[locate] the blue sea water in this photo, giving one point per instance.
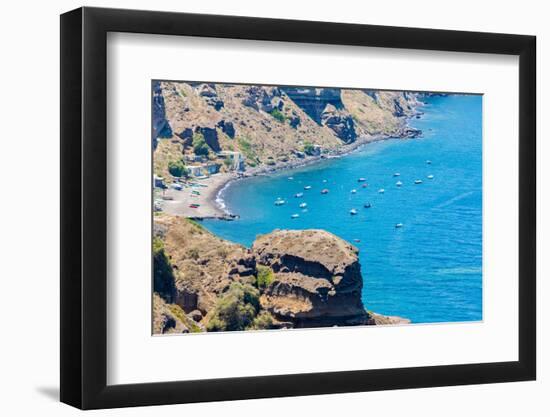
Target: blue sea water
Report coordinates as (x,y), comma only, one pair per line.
(429,270)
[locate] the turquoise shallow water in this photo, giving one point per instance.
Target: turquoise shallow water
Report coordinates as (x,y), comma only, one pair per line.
(430,270)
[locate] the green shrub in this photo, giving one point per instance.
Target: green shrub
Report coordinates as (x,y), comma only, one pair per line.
(200,147)
(163,275)
(262,321)
(276,113)
(247,150)
(309,148)
(177,311)
(264,277)
(177,168)
(236,309)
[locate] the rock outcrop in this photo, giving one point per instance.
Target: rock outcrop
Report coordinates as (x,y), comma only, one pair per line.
(210,96)
(317,278)
(314,100)
(305,278)
(340,122)
(161,126)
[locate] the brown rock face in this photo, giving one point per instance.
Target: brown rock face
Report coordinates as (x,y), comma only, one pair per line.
(317,278)
(340,122)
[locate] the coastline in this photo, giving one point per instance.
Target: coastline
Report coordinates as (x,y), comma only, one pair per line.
(217,201)
(211,202)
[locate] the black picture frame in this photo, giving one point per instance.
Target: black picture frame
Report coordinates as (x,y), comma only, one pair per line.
(84,207)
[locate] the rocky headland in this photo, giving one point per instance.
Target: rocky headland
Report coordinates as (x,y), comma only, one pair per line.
(287,279)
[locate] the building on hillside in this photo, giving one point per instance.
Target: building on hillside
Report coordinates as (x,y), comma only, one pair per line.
(236,160)
(195,170)
(212,168)
(158,182)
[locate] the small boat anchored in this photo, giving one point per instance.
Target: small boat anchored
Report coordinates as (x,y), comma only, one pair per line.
(367,205)
(429,162)
(298,195)
(396,174)
(381,191)
(399,225)
(430,177)
(353,191)
(307,187)
(353,212)
(294,216)
(418,181)
(303,205)
(324,191)
(361,179)
(399,183)
(279,202)
(364,185)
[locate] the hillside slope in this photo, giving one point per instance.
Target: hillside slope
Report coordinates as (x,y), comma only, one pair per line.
(268,125)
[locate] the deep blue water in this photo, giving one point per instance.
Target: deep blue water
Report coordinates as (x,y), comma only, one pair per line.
(430,270)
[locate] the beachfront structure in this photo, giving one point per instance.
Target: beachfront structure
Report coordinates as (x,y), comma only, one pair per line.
(159,182)
(195,158)
(212,168)
(236,158)
(195,170)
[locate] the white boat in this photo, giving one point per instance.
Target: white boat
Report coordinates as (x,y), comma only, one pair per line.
(291,178)
(418,181)
(324,191)
(307,187)
(279,202)
(396,174)
(381,191)
(353,191)
(399,225)
(367,205)
(430,177)
(353,212)
(303,205)
(324,180)
(361,179)
(429,162)
(399,183)
(298,195)
(294,216)
(177,186)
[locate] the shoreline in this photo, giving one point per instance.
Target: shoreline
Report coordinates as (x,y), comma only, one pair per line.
(211,202)
(342,151)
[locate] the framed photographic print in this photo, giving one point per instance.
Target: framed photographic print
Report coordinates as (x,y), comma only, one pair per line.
(257,208)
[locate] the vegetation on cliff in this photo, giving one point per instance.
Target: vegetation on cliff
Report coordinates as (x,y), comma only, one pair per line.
(288,278)
(269,124)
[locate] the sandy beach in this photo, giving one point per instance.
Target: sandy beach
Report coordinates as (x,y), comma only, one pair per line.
(201,192)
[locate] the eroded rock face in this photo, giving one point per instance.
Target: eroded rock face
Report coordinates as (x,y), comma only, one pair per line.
(210,136)
(263,98)
(164,320)
(314,100)
(161,127)
(209,94)
(340,122)
(317,278)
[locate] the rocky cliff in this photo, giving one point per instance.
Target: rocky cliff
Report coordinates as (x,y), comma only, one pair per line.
(317,278)
(269,124)
(288,278)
